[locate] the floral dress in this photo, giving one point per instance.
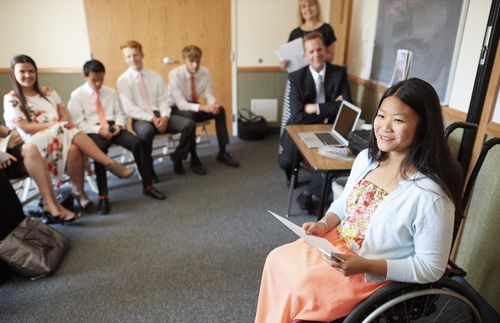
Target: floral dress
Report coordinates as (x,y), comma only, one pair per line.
(361,203)
(54,142)
(297,283)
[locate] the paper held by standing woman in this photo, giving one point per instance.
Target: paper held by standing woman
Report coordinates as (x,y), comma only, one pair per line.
(293,52)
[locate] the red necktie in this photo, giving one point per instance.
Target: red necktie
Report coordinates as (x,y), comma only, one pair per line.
(100,111)
(194,98)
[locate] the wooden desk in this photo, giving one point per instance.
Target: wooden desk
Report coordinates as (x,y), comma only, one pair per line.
(329,168)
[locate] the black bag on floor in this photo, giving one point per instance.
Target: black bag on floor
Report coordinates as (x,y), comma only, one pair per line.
(253,127)
(33,249)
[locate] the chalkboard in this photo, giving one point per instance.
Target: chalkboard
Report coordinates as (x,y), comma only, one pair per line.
(426,27)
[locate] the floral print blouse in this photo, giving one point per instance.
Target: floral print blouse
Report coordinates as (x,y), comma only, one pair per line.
(361,204)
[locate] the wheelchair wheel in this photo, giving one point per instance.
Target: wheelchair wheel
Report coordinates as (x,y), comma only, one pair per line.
(443,301)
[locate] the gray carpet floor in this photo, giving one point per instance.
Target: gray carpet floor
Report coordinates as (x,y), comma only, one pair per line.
(195,257)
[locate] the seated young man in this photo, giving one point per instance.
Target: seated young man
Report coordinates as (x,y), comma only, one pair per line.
(95,109)
(187,83)
(143,96)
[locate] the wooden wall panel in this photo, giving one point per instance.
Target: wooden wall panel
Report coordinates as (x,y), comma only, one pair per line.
(164,27)
(340,19)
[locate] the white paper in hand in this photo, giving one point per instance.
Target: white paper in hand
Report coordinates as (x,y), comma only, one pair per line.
(294,53)
(321,244)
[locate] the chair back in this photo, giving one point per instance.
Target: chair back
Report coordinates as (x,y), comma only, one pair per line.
(477,251)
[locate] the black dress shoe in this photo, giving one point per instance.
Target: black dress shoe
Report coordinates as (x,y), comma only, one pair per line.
(178,169)
(225,158)
(103,207)
(153,193)
(198,168)
(304,201)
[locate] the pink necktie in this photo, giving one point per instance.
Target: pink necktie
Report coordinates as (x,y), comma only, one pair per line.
(100,111)
(194,97)
(144,93)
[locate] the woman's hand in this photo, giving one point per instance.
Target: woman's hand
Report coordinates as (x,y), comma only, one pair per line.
(6,159)
(314,228)
(353,264)
(15,139)
(283,64)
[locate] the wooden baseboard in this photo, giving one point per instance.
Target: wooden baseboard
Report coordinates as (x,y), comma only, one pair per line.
(50,70)
(258,69)
(493,129)
(453,114)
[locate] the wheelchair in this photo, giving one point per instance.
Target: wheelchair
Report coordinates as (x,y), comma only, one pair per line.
(445,300)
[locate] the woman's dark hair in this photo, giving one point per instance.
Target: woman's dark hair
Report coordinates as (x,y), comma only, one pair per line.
(19,59)
(429,152)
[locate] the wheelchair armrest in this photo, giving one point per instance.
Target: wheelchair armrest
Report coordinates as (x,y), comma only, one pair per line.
(453,270)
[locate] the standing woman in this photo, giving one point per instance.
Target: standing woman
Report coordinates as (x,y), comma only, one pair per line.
(393,222)
(41,119)
(311,19)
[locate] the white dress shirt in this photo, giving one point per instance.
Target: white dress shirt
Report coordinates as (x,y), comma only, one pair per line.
(180,87)
(82,108)
(132,100)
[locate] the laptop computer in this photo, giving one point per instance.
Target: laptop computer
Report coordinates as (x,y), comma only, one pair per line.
(345,122)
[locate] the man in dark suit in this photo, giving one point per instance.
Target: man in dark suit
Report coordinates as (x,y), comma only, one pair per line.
(316,92)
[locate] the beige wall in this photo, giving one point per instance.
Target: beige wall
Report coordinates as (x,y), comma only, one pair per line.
(53,32)
(262,26)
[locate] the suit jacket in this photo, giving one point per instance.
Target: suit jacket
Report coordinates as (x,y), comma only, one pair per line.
(303,91)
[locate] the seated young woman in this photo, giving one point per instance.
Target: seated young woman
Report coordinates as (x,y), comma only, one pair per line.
(42,119)
(393,222)
(23,159)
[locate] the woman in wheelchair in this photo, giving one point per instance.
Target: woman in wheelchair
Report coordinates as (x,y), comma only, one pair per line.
(393,222)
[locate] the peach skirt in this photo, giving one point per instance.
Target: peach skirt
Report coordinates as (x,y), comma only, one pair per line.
(298,284)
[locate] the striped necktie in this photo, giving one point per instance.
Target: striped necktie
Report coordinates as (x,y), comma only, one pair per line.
(100,111)
(144,93)
(194,97)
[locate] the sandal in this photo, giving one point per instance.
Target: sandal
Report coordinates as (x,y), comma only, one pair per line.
(83,201)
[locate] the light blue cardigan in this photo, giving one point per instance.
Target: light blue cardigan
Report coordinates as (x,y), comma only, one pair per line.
(411,228)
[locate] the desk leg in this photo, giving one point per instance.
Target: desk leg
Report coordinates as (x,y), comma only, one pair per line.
(293,180)
(327,178)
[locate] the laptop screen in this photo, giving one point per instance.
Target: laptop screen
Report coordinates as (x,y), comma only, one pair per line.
(346,119)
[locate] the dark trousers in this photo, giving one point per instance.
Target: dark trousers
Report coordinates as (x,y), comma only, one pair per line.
(146,131)
(129,142)
(11,215)
(220,123)
(16,169)
(285,158)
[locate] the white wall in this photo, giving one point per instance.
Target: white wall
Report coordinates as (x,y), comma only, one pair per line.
(496,113)
(362,37)
(470,50)
(262,26)
(52,32)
